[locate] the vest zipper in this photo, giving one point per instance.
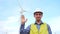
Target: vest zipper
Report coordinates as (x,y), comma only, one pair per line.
(38,31)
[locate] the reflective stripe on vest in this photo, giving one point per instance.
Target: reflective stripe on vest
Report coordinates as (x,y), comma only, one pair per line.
(43,29)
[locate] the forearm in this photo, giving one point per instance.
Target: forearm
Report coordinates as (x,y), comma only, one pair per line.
(23,31)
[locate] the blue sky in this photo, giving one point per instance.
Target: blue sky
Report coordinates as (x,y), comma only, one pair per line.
(10,14)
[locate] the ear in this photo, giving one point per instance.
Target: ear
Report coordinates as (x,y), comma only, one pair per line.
(41,15)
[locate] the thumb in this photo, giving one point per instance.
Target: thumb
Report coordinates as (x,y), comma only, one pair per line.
(26,20)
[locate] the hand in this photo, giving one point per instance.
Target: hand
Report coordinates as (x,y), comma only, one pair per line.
(23,20)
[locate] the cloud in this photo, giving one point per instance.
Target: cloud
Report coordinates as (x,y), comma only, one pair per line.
(55,24)
(11,25)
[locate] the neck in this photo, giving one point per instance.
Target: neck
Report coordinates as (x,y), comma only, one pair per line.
(38,22)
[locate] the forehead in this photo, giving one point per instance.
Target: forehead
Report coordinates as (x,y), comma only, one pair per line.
(38,13)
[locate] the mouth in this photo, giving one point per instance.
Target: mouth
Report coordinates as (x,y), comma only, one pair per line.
(38,17)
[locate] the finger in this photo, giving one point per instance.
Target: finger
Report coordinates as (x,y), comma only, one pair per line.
(22,16)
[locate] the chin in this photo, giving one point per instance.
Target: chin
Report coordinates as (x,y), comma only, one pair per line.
(38,19)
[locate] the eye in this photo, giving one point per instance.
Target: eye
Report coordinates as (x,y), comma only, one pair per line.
(39,14)
(36,14)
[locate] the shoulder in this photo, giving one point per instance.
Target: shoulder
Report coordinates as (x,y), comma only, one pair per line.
(47,25)
(30,25)
(49,29)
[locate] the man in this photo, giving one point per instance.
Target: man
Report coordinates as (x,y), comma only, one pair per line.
(38,27)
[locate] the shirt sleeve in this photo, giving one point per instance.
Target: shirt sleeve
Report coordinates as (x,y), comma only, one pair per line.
(24,31)
(49,29)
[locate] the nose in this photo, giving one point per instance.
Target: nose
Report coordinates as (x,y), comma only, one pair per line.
(38,15)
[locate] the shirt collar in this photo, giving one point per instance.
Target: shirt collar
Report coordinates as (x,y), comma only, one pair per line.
(40,23)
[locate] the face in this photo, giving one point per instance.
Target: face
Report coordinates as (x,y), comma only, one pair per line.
(38,16)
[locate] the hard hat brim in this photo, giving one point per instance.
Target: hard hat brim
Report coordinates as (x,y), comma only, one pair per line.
(38,12)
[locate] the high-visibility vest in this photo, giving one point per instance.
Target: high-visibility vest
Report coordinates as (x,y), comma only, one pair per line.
(43,29)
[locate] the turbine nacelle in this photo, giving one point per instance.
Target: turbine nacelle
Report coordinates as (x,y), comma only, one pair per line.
(22,11)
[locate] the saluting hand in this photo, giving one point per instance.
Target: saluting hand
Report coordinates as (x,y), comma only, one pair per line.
(23,20)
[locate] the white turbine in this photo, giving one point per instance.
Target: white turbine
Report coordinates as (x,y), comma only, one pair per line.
(22,10)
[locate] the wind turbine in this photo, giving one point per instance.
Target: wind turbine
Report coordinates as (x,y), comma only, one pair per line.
(22,10)
(6,32)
